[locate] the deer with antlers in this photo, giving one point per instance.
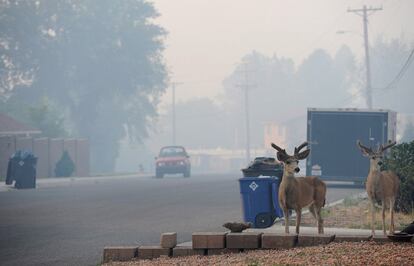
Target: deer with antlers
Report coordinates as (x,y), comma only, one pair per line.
(381,186)
(299,192)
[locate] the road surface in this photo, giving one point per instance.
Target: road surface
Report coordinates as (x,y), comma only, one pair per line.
(69,223)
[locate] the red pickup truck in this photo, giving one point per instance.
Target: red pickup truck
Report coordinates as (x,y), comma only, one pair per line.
(172,160)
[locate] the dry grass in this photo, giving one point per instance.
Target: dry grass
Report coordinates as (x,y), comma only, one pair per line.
(355,213)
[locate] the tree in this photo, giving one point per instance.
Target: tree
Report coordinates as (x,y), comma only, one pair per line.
(388,58)
(280,94)
(323,81)
(65,166)
(196,119)
(401,162)
(99,60)
(43,115)
(270,84)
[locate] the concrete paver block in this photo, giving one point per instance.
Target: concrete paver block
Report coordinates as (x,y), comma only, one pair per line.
(151,252)
(168,240)
(209,240)
(251,240)
(380,239)
(119,253)
(199,240)
(314,240)
(352,238)
(279,240)
(216,240)
(187,251)
(222,251)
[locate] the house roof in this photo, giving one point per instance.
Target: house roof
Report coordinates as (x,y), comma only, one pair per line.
(10,126)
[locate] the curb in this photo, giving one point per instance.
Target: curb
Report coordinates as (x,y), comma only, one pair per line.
(216,243)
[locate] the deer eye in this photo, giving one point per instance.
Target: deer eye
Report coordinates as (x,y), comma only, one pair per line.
(374,158)
(287,162)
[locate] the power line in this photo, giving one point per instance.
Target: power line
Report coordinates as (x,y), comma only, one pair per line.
(402,72)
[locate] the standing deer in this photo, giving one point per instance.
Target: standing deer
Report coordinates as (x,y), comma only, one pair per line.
(297,193)
(381,186)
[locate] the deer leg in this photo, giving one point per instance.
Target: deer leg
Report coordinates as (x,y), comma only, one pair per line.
(298,217)
(383,217)
(372,218)
(320,220)
(313,212)
(286,214)
(392,229)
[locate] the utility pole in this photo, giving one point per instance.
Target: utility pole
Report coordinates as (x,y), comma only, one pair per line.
(246,86)
(364,14)
(173,84)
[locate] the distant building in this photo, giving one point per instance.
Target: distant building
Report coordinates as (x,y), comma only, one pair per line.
(11,127)
(274,133)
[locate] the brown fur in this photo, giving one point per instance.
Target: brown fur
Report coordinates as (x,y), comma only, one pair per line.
(381,186)
(299,192)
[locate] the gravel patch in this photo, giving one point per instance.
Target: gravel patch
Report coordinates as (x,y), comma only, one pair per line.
(364,253)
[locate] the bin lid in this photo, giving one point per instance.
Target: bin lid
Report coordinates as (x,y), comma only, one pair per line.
(254,178)
(23,155)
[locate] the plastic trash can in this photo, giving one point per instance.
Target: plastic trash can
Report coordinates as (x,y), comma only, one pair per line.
(260,200)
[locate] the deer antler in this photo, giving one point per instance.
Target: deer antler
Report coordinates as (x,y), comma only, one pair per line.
(278,148)
(364,148)
(281,153)
(301,146)
(389,145)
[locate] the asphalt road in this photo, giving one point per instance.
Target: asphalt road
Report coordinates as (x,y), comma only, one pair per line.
(69,223)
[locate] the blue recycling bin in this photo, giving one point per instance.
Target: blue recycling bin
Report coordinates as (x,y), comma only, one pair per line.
(22,169)
(260,200)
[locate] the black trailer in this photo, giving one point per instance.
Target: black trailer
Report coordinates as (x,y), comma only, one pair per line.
(332,135)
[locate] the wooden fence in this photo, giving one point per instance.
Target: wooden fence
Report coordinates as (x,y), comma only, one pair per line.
(48,151)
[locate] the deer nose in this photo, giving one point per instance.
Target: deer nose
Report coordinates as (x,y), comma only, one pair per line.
(297,169)
(379,163)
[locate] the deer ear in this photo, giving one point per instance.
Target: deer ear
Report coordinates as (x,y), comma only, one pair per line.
(302,155)
(281,156)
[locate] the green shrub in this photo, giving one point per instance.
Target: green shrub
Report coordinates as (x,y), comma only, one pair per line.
(65,166)
(401,161)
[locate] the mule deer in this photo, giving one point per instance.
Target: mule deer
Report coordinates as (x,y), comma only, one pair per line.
(297,193)
(381,186)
